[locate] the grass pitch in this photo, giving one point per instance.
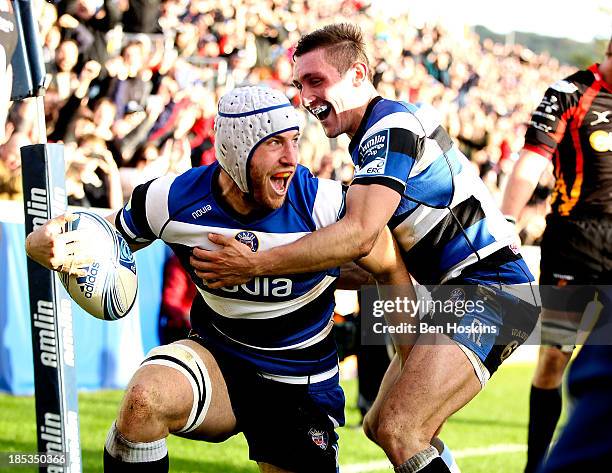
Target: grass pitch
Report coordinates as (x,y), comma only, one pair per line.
(487,435)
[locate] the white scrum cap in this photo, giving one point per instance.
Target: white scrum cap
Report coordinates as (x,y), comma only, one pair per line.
(248,116)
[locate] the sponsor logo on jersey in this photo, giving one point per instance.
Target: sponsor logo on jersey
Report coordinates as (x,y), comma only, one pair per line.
(249,239)
(509,349)
(564,86)
(602,117)
(373,154)
(601,141)
(540,126)
(563,279)
(319,437)
(263,286)
(201,211)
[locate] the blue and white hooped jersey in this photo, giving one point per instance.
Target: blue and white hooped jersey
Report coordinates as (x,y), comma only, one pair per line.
(282,324)
(447,223)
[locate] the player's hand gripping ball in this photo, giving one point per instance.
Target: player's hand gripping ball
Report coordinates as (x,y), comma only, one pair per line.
(108,290)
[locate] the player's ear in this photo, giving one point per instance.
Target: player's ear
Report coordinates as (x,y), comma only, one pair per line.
(360,73)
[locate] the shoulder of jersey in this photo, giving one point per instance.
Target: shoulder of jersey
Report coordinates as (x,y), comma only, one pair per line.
(193,182)
(195,176)
(576,82)
(386,107)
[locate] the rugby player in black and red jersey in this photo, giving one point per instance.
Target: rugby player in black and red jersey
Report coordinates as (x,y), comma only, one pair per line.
(572,126)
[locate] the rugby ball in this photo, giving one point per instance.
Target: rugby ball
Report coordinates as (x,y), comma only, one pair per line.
(108,290)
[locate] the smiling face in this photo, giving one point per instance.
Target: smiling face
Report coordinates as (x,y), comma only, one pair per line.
(272,167)
(331,97)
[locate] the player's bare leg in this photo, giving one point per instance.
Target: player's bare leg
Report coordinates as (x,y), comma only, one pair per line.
(550,368)
(177,390)
(370,421)
(436,381)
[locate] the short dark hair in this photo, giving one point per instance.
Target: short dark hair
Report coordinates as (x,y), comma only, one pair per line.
(342,42)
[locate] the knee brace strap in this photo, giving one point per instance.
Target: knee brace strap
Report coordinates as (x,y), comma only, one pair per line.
(186,360)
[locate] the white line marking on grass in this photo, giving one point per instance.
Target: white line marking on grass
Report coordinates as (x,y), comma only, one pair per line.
(490,450)
(465,453)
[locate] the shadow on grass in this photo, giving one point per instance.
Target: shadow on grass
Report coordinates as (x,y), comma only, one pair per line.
(92,462)
(12,446)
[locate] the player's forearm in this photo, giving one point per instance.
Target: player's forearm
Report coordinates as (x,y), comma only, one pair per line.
(385,262)
(368,209)
(516,196)
(329,247)
(522,182)
(352,277)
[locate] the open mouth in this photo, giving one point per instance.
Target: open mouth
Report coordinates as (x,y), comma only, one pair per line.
(321,111)
(280,181)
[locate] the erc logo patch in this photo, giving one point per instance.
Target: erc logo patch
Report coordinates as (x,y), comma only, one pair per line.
(249,239)
(373,154)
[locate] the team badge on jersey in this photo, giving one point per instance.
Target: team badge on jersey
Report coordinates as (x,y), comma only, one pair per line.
(457,295)
(319,437)
(249,239)
(373,154)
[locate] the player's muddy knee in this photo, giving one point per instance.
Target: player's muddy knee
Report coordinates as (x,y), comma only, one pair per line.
(141,406)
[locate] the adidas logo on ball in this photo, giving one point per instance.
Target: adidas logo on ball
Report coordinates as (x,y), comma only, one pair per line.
(87,283)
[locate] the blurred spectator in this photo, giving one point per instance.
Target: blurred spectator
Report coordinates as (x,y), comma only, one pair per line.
(10,166)
(147,163)
(157,83)
(142,16)
(326,167)
(88,22)
(131,86)
(65,79)
(92,177)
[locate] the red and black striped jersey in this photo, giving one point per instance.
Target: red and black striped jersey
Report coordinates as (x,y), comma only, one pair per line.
(573,127)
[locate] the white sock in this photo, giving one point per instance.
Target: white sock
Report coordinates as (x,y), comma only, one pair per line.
(447,458)
(134,452)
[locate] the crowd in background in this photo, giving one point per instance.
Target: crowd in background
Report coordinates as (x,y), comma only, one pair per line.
(133,86)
